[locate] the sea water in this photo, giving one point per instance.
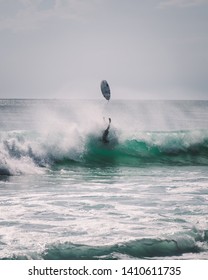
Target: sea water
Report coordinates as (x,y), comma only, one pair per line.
(64,194)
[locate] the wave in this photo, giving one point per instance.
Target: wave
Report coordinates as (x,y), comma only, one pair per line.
(27,152)
(181,244)
(166,148)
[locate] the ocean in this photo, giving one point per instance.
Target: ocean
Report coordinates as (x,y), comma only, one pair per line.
(64,194)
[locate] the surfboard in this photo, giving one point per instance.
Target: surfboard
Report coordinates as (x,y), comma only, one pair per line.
(105,89)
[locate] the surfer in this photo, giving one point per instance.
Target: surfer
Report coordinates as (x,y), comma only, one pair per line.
(106,132)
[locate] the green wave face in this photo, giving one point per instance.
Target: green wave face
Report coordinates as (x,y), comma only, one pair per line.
(169,148)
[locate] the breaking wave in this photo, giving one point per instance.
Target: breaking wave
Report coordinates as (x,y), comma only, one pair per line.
(27,152)
(181,244)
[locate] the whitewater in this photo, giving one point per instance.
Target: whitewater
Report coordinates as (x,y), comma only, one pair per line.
(64,194)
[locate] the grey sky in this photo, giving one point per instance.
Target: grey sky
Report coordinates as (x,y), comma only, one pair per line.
(146,49)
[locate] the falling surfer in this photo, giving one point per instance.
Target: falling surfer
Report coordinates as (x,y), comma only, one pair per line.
(105,89)
(106,132)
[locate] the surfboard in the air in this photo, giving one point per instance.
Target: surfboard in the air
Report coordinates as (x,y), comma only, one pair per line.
(105,89)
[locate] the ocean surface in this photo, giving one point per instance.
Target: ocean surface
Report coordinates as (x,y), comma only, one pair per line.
(64,194)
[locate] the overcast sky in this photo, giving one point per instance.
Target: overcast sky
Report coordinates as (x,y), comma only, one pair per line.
(146,49)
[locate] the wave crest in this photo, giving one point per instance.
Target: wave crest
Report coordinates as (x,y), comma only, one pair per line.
(27,152)
(180,244)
